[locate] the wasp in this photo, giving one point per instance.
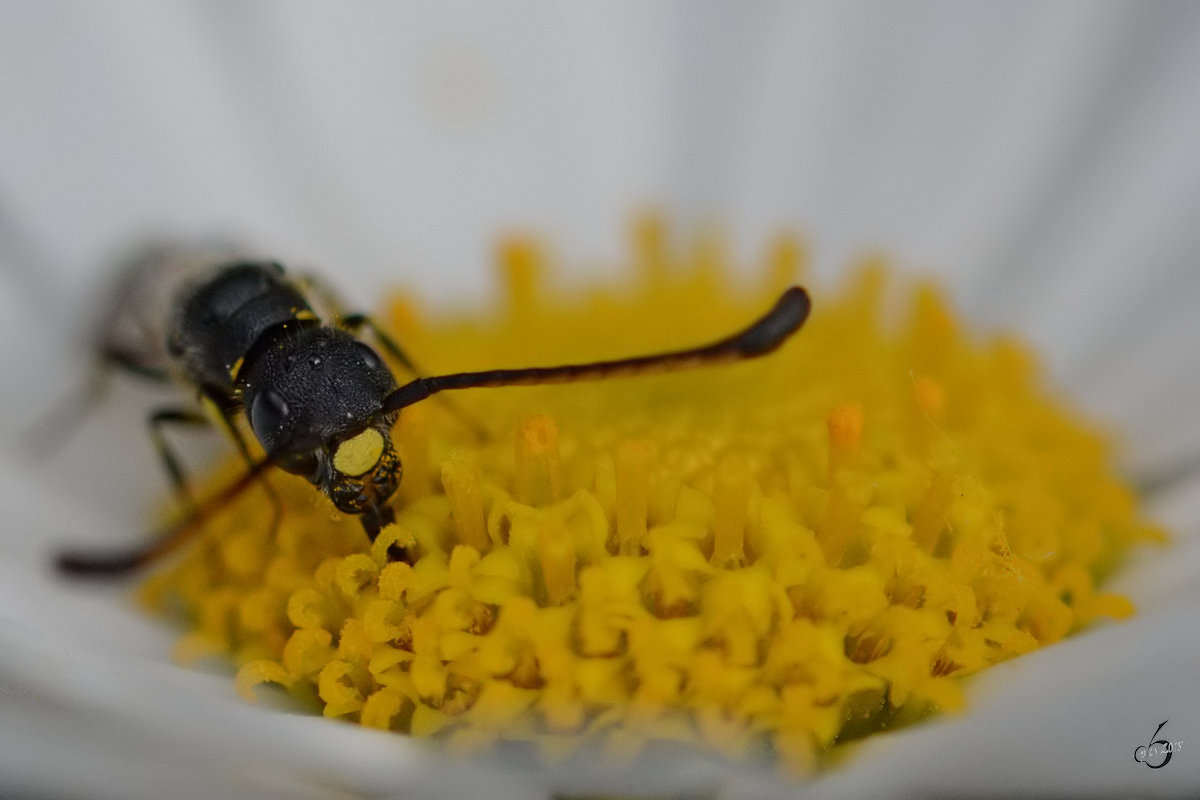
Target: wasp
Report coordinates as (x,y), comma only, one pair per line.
(247,339)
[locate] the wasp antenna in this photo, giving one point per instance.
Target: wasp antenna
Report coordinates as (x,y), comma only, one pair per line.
(115,563)
(108,564)
(762,337)
(773,328)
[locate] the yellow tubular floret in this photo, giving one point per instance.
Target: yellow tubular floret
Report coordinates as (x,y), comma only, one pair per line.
(783,554)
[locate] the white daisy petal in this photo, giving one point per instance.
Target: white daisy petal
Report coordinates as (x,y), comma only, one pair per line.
(1039,159)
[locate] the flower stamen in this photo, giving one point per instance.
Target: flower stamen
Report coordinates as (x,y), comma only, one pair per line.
(790,553)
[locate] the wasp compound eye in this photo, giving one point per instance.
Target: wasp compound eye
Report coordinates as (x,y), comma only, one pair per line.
(268,414)
(302,462)
(369,358)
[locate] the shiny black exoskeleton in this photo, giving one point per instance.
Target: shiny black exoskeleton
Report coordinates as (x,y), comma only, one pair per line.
(313,394)
(319,400)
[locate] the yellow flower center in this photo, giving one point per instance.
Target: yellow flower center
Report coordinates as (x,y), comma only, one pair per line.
(788,553)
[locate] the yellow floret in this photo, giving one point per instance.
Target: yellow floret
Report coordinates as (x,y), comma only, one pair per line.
(788,553)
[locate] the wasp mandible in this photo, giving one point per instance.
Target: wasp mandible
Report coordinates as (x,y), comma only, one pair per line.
(247,339)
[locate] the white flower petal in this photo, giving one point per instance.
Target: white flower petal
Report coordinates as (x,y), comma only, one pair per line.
(1040,158)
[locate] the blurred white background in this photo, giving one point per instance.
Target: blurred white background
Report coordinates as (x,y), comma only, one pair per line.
(1041,159)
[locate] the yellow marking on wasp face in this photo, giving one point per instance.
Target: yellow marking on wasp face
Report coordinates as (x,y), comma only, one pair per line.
(359,453)
(236,367)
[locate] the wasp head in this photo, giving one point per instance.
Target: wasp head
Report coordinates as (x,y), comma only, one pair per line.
(315,402)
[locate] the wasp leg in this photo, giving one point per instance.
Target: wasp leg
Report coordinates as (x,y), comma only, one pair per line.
(1168,476)
(122,561)
(114,359)
(117,562)
(46,436)
(356,322)
(228,416)
(157,421)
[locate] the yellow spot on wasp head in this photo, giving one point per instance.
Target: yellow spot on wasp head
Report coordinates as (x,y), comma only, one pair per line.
(359,453)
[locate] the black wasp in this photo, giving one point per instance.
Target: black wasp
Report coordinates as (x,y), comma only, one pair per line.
(247,339)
